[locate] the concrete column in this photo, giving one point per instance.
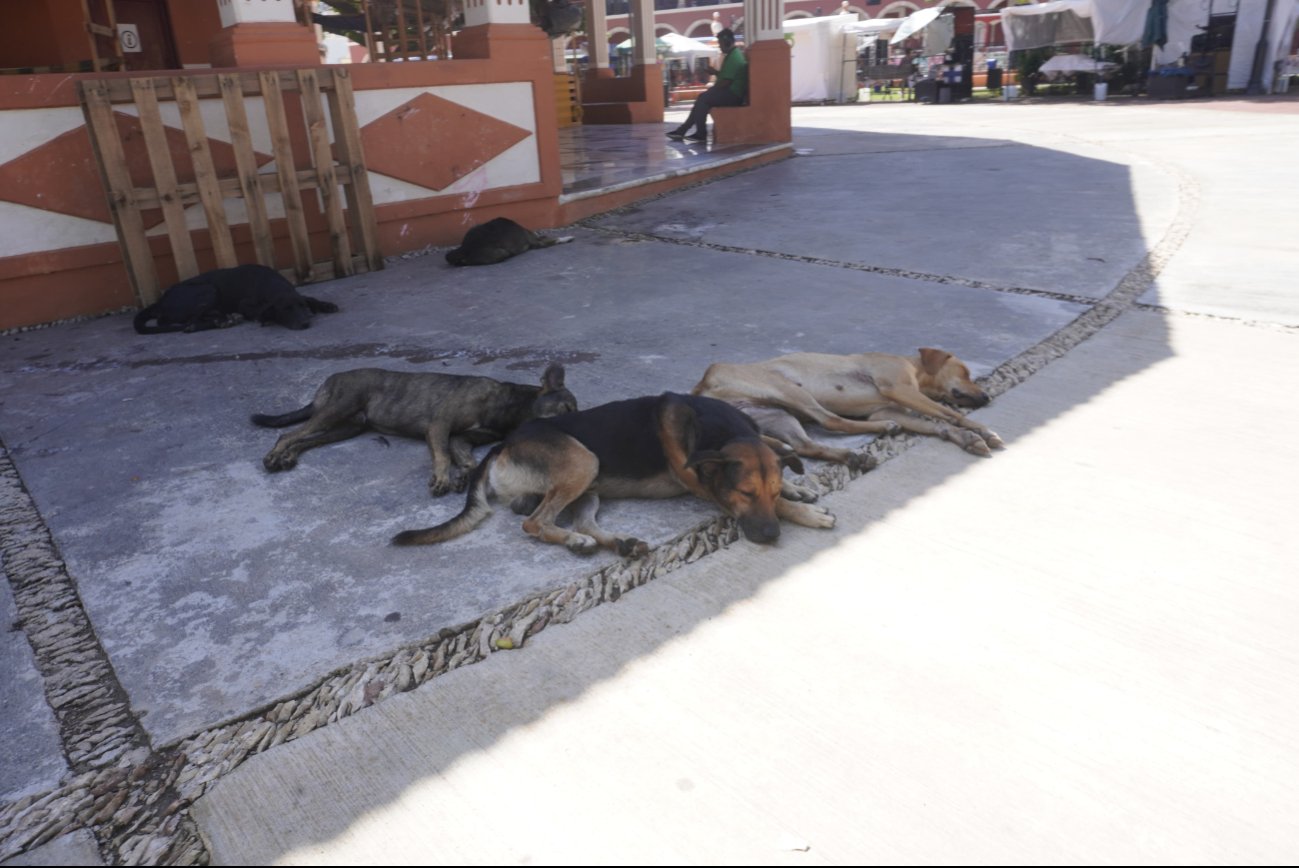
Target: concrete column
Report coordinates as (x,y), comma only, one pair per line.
(642,31)
(496,12)
(763,20)
(597,37)
(262,33)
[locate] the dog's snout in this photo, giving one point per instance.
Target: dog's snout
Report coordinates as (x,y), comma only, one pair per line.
(762,532)
(969,399)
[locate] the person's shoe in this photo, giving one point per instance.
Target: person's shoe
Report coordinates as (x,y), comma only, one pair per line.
(697,137)
(677,136)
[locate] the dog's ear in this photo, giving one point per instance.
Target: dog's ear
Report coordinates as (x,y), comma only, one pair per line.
(787,456)
(553,379)
(678,424)
(932,360)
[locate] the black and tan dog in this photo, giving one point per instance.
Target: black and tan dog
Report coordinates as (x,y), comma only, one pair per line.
(228,296)
(658,446)
(496,241)
(453,413)
(865,393)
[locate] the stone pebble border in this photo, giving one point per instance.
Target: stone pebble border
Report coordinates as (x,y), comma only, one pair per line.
(135,797)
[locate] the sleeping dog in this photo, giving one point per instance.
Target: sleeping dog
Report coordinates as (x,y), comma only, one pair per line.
(659,446)
(452,412)
(498,240)
(864,393)
(228,296)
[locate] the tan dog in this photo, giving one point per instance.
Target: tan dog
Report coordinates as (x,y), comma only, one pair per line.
(866,393)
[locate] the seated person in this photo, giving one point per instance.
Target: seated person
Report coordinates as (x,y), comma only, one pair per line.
(730,89)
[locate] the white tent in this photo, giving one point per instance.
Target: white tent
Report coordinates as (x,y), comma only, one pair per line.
(683,46)
(1122,22)
(822,59)
(1249,26)
(1114,22)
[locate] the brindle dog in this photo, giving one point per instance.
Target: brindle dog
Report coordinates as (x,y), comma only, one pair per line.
(453,413)
(659,446)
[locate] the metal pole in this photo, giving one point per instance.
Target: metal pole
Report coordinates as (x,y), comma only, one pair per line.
(1255,86)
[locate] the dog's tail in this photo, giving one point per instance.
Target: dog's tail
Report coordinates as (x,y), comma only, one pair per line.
(284,419)
(547,241)
(477,507)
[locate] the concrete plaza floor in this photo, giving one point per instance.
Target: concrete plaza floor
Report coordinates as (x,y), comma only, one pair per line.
(1081,649)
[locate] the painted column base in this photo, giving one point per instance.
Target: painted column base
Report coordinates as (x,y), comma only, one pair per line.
(636,99)
(522,43)
(265,44)
(765,120)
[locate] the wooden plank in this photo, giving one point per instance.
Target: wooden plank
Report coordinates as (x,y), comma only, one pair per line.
(205,174)
(401,31)
(282,147)
(250,182)
(164,177)
(347,139)
(322,156)
(107,145)
(419,28)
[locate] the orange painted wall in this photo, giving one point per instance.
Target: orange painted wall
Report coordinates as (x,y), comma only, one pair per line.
(51,285)
(193,25)
(43,34)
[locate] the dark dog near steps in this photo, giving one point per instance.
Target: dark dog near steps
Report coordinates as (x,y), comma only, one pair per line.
(660,446)
(496,241)
(453,413)
(228,296)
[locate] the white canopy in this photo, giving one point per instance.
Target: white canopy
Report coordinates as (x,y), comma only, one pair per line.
(915,22)
(680,46)
(874,26)
(1067,63)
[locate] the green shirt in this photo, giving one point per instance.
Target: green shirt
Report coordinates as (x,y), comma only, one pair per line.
(735,68)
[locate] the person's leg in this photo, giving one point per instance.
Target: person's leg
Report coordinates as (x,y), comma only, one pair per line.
(716,97)
(698,114)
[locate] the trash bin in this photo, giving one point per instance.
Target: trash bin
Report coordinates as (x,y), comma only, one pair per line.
(1101,90)
(1010,91)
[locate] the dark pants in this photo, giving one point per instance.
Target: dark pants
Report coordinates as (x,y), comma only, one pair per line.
(717,95)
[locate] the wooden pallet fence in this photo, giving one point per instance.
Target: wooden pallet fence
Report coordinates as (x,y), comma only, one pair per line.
(334,163)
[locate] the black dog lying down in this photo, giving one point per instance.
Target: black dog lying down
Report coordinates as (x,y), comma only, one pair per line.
(660,446)
(227,296)
(452,412)
(496,241)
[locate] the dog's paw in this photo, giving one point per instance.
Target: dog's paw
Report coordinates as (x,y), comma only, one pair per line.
(993,440)
(816,516)
(794,491)
(891,428)
(972,443)
(440,485)
(581,544)
(860,462)
(274,462)
(630,547)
